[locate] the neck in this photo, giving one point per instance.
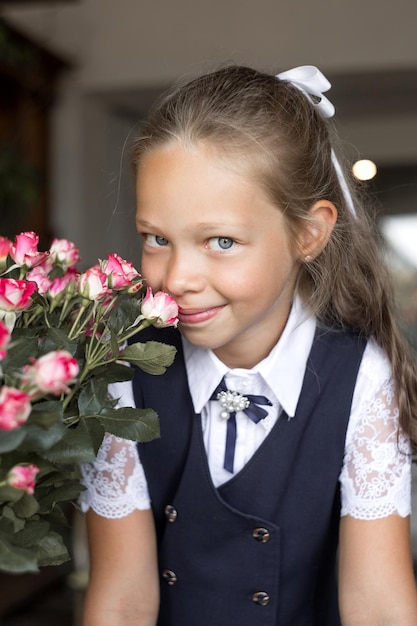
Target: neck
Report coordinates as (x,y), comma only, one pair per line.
(239,356)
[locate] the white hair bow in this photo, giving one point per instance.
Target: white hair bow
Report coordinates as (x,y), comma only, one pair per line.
(309,80)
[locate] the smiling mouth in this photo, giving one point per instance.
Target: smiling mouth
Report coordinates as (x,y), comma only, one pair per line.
(196,316)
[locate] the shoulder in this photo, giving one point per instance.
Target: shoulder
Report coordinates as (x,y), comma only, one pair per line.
(374,389)
(375,478)
(375,367)
(375,380)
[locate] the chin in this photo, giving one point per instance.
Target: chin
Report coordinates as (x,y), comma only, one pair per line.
(196,340)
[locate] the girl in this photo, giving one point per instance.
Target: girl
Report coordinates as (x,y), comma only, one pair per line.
(289,414)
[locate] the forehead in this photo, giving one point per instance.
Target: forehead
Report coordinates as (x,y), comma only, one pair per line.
(197,185)
(179,169)
(203,157)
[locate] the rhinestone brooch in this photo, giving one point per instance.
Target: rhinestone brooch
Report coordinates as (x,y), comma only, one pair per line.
(231,402)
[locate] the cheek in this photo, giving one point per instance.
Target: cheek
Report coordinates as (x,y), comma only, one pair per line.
(152,273)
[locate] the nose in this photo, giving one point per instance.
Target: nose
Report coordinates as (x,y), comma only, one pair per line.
(184,273)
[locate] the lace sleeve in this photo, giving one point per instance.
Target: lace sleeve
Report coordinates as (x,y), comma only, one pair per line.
(116,483)
(376,476)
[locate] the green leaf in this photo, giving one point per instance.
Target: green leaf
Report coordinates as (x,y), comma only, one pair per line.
(37,439)
(11,439)
(24,346)
(135,424)
(114,373)
(49,497)
(10,494)
(58,478)
(16,560)
(51,550)
(9,515)
(31,534)
(26,506)
(95,430)
(93,398)
(46,413)
(57,339)
(45,467)
(114,343)
(125,313)
(74,447)
(56,517)
(6,522)
(152,357)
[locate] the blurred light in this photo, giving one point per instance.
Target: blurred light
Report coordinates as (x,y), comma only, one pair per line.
(364,169)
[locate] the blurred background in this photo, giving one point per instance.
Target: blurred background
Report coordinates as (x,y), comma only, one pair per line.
(76,77)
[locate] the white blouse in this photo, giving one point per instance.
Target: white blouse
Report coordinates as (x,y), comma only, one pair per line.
(376,474)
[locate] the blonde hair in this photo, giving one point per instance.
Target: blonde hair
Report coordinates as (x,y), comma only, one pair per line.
(286,146)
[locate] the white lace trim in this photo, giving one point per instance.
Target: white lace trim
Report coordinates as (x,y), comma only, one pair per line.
(376,475)
(116,483)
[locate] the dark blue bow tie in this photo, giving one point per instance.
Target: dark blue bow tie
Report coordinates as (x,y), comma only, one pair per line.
(231,402)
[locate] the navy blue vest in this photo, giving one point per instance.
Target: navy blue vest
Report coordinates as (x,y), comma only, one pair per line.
(260,549)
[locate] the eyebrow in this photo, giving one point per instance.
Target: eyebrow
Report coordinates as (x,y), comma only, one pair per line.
(145,224)
(204,226)
(216,226)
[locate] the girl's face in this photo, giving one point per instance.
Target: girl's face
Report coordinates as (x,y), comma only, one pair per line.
(216,243)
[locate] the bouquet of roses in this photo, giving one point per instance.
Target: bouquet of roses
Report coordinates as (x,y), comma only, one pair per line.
(63,339)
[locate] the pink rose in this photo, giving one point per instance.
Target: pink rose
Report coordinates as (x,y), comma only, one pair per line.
(64,253)
(25,250)
(160,309)
(5,245)
(23,477)
(121,273)
(4,339)
(93,284)
(15,295)
(39,275)
(51,373)
(15,408)
(59,284)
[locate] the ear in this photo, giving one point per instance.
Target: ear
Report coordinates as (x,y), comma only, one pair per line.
(317,230)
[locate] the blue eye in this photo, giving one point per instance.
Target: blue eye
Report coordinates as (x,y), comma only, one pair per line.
(220,243)
(156,241)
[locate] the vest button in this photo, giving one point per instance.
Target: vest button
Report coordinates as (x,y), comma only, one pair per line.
(170,513)
(169,576)
(261,534)
(261,598)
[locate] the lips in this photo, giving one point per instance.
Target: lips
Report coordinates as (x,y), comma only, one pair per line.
(197,316)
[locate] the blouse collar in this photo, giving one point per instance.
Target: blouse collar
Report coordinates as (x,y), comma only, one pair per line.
(282,370)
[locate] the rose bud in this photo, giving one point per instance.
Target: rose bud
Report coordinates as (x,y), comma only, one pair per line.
(93,284)
(4,339)
(64,253)
(25,252)
(121,274)
(15,294)
(23,477)
(160,309)
(5,245)
(15,408)
(51,373)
